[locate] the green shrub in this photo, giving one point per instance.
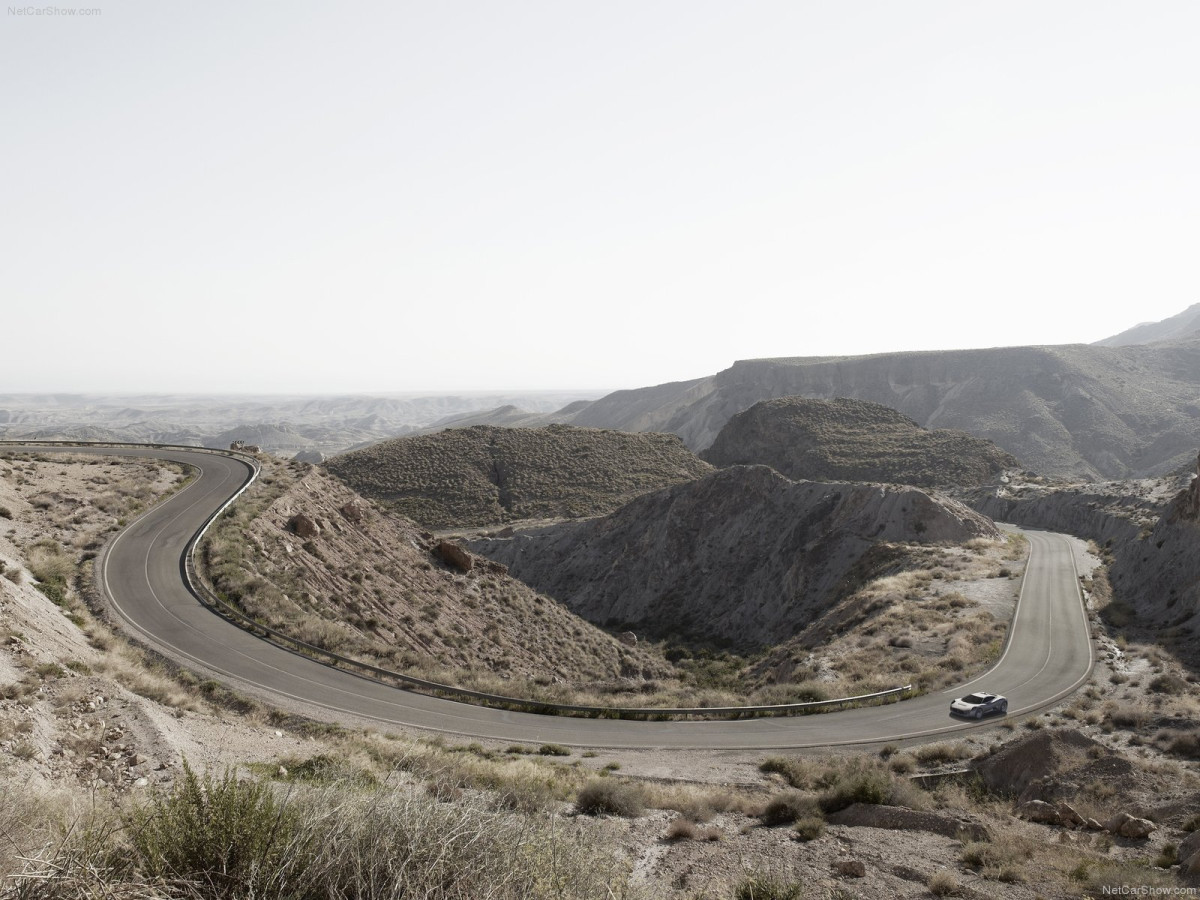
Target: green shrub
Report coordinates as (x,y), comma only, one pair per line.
(607,796)
(5,512)
(553,750)
(325,769)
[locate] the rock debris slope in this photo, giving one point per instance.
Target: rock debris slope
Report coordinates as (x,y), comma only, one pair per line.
(743,556)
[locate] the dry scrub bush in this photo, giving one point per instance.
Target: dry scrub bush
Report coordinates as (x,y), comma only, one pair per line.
(943,884)
(788,808)
(225,838)
(934,754)
(684,829)
(1000,859)
(608,796)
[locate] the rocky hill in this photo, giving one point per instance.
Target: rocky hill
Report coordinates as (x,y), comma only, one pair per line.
(1178,327)
(305,554)
(854,440)
(1081,411)
(743,556)
(485,475)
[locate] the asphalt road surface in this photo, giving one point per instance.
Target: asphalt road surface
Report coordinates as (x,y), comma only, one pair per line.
(1048,654)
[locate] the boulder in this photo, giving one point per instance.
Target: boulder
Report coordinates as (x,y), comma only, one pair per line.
(352,512)
(628,638)
(1189,851)
(850,868)
(1129,826)
(304,527)
(310,456)
(1068,815)
(454,556)
(1038,811)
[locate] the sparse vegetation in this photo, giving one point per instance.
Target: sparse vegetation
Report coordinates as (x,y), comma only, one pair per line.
(470,477)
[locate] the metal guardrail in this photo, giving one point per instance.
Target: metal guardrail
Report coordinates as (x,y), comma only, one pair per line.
(226,610)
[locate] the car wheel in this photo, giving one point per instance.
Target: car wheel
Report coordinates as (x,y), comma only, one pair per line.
(1003,709)
(978,714)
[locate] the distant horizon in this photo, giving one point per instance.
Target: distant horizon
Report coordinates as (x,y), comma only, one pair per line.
(548,390)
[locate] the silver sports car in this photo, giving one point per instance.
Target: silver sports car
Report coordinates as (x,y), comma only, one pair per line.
(976,706)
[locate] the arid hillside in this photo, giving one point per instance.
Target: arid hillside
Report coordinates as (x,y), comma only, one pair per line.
(307,555)
(108,758)
(743,556)
(486,476)
(1082,411)
(853,440)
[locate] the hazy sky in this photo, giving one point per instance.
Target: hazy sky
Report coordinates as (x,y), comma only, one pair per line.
(450,195)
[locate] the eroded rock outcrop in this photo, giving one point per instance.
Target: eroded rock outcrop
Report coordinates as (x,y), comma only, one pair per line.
(743,555)
(864,815)
(454,556)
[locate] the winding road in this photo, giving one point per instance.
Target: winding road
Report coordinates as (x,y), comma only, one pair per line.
(1048,654)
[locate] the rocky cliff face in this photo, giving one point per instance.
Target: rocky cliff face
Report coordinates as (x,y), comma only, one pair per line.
(743,555)
(854,440)
(1151,528)
(1077,411)
(1160,575)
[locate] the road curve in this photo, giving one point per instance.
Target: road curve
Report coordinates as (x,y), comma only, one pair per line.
(1048,654)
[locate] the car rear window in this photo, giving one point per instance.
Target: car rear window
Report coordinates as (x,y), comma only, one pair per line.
(977,698)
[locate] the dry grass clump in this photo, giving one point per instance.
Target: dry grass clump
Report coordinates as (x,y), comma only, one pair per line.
(610,797)
(1000,859)
(943,883)
(768,887)
(789,808)
(936,754)
(1125,716)
(684,829)
(469,477)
